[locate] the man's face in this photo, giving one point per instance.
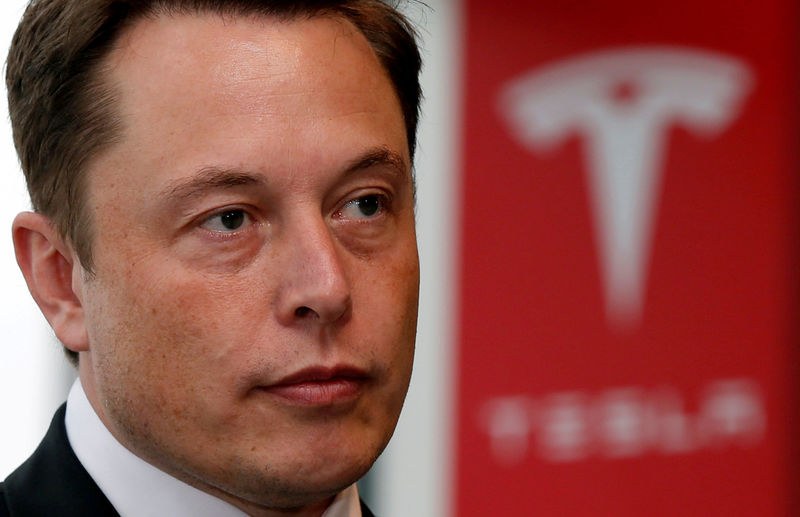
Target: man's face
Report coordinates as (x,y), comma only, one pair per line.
(252,313)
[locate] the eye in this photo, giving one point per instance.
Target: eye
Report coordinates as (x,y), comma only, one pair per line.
(364,207)
(227,221)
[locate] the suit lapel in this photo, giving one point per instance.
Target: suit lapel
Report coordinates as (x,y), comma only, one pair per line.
(53,481)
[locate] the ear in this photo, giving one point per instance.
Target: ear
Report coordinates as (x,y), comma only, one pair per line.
(49,266)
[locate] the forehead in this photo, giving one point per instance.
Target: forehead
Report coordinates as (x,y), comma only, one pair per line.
(238,74)
(239,48)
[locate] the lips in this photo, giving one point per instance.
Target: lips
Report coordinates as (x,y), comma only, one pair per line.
(320,386)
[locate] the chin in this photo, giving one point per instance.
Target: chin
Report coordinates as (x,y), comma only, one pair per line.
(298,473)
(294,484)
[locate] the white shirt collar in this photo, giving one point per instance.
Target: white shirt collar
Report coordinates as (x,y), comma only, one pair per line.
(124,477)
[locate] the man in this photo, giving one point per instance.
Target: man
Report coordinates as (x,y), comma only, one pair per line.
(224,238)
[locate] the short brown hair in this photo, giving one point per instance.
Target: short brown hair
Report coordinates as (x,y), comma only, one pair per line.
(63,112)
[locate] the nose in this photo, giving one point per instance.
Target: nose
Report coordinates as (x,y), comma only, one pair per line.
(315,287)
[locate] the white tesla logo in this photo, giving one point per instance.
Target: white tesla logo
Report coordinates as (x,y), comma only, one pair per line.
(622,102)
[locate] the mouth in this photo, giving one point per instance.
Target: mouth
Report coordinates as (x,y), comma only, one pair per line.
(320,386)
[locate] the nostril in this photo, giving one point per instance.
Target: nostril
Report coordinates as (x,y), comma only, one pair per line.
(302,312)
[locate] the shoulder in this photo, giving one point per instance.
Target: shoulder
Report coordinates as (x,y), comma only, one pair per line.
(53,482)
(3,504)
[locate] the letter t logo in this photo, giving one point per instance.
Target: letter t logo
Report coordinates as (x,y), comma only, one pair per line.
(622,102)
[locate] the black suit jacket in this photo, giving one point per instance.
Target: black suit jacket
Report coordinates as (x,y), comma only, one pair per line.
(53,483)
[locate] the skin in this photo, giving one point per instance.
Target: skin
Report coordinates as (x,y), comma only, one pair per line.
(291,134)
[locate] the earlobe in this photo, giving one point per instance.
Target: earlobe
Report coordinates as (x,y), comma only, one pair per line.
(48,264)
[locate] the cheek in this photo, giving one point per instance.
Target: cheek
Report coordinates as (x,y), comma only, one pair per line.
(165,324)
(169,352)
(388,299)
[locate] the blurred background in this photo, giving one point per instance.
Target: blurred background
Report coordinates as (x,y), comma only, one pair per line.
(607,211)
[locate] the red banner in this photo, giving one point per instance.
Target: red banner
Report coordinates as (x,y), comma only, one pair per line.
(626,280)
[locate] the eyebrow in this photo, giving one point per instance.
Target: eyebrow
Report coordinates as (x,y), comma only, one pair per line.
(209,178)
(381,156)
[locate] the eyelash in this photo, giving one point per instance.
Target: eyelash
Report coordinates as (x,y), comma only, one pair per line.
(248,222)
(383,206)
